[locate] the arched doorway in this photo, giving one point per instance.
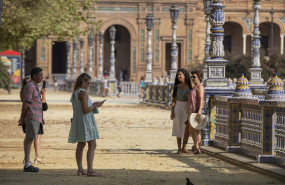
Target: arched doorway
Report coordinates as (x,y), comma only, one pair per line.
(233,38)
(59,58)
(122,53)
(168,57)
(265,40)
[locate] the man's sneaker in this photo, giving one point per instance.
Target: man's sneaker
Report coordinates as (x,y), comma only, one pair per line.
(31,169)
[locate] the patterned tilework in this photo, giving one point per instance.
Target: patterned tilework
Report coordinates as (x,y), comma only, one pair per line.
(213,117)
(235,125)
(267,130)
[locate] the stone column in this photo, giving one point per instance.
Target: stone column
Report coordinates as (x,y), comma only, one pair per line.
(244,44)
(100,67)
(23,75)
(81,55)
(256,81)
(68,71)
(74,59)
(90,60)
(112,57)
(148,72)
(174,11)
(216,64)
(282,44)
(208,43)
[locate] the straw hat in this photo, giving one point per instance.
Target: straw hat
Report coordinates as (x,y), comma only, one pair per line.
(198,122)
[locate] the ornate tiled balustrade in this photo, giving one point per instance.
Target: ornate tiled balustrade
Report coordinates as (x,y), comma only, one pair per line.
(253,125)
(96,87)
(222,117)
(158,94)
(280,131)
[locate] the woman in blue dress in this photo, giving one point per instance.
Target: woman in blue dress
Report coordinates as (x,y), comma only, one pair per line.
(83,125)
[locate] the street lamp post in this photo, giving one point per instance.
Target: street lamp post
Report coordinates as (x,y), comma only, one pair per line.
(68,60)
(112,58)
(100,70)
(90,43)
(149,25)
(74,44)
(81,54)
(271,40)
(174,11)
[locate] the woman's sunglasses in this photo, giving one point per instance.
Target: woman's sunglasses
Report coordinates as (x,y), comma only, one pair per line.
(193,77)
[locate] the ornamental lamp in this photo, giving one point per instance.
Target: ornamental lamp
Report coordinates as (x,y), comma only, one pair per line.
(174,10)
(149,22)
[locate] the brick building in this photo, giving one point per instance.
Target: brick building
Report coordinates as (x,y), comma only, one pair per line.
(128,17)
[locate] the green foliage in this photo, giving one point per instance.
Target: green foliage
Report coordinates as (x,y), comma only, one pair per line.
(237,65)
(25,21)
(4,75)
(195,65)
(269,64)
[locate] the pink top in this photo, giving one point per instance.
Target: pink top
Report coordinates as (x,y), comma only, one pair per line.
(193,100)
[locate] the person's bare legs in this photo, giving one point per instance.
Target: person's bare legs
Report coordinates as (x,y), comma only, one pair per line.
(37,146)
(185,139)
(191,131)
(199,138)
(103,93)
(195,140)
(90,155)
(179,145)
(79,155)
(90,158)
(27,148)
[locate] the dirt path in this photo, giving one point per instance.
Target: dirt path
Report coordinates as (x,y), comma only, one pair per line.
(136,147)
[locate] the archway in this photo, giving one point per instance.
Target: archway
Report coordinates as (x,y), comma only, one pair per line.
(122,53)
(233,41)
(59,58)
(265,33)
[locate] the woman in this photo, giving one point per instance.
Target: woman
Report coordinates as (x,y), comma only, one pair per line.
(196,104)
(106,87)
(142,87)
(37,141)
(179,109)
(119,88)
(83,125)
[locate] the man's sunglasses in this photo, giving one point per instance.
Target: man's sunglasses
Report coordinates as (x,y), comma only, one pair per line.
(193,77)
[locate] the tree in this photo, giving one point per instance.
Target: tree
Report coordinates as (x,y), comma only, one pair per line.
(24,21)
(4,76)
(269,65)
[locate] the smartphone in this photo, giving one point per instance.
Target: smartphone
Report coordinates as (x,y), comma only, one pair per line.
(44,84)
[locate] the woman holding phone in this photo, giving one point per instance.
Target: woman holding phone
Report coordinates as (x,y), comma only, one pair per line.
(83,125)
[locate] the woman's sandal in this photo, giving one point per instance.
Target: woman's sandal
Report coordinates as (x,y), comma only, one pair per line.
(94,174)
(39,160)
(184,151)
(79,173)
(196,151)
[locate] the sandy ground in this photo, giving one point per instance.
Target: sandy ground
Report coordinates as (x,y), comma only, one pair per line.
(136,147)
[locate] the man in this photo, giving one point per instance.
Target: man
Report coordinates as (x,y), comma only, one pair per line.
(32,114)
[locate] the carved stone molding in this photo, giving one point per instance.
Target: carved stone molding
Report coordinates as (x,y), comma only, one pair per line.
(189,22)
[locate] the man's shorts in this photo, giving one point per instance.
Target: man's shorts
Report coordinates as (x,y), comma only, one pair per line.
(32,128)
